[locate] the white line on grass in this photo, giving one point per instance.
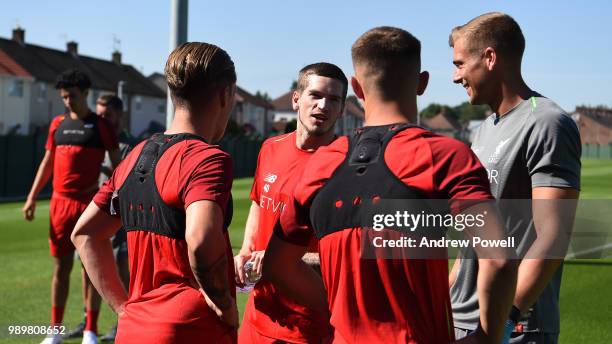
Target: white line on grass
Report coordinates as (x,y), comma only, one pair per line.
(573,255)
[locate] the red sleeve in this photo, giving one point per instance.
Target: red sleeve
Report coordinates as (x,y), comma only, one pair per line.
(211,176)
(103,198)
(108,135)
(458,174)
(294,225)
(50,144)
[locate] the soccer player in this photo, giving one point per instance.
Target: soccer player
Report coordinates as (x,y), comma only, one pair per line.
(373,299)
(110,106)
(75,149)
(531,150)
(269,315)
(172,193)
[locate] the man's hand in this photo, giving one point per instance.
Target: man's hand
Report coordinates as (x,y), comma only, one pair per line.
(229,315)
(257,259)
(239,260)
(28,209)
(120,310)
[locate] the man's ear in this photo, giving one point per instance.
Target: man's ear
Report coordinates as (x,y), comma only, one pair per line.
(225,95)
(423,81)
(357,87)
(294,100)
(490,57)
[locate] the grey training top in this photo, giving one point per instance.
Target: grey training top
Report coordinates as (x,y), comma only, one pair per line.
(535,144)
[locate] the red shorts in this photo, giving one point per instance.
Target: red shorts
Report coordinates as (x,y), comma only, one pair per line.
(64,213)
(138,331)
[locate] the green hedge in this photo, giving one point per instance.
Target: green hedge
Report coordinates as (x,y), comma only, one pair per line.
(21,155)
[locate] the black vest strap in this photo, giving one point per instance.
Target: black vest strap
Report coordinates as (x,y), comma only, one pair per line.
(363,185)
(138,200)
(79,132)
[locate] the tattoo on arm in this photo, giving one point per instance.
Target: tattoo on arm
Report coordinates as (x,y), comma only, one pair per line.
(214,281)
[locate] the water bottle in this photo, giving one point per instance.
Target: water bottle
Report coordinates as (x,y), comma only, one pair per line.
(251,278)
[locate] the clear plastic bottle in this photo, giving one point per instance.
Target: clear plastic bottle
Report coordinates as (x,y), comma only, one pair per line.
(251,278)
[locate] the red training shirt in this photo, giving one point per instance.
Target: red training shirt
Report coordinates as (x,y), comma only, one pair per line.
(391,300)
(164,303)
(76,167)
(269,312)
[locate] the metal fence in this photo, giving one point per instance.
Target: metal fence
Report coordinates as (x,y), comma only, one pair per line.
(594,151)
(21,155)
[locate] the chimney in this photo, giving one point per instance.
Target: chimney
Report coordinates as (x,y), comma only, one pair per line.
(116,57)
(71,47)
(19,35)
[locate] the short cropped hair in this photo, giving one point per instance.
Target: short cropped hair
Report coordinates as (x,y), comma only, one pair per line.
(496,30)
(111,101)
(325,69)
(73,78)
(196,69)
(391,58)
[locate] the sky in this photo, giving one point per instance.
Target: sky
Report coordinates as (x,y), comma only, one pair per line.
(568,55)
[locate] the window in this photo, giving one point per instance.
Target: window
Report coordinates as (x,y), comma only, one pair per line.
(16,88)
(137,103)
(92,98)
(42,92)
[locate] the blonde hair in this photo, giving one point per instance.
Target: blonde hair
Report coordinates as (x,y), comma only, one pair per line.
(197,69)
(496,30)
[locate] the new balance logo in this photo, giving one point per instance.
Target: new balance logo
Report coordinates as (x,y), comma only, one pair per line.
(270,178)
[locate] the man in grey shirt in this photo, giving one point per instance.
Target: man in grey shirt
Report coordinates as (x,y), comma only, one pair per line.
(531,150)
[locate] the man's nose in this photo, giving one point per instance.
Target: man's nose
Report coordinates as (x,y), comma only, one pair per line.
(457,79)
(323,103)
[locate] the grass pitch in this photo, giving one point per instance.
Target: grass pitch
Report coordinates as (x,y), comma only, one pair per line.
(25,270)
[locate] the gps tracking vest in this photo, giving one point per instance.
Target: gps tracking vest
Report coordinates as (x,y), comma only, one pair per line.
(138,200)
(363,186)
(79,132)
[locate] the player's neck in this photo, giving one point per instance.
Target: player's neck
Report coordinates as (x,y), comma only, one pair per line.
(388,112)
(511,93)
(308,142)
(80,114)
(185,122)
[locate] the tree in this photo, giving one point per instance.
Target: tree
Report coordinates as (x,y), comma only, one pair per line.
(463,112)
(467,112)
(263,96)
(431,110)
(434,108)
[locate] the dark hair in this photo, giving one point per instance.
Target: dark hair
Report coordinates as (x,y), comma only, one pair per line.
(73,78)
(197,69)
(390,56)
(496,30)
(325,69)
(111,101)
